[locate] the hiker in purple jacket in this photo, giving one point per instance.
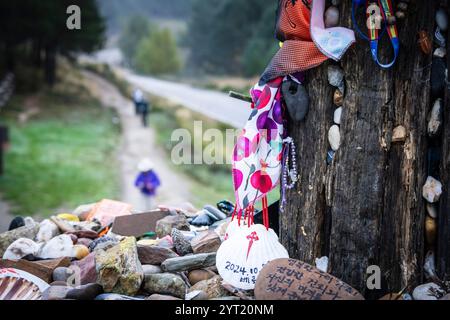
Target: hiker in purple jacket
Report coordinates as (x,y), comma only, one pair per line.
(147,181)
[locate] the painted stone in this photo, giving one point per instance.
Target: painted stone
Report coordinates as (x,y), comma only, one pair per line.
(290,279)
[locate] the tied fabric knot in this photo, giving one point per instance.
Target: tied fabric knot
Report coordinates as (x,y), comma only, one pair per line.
(259,152)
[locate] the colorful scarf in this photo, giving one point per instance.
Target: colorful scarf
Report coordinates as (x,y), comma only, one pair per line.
(258,153)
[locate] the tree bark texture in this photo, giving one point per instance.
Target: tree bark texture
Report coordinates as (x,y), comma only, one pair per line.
(443,255)
(366,207)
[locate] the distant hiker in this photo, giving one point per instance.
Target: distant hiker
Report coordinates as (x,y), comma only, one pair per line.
(138,97)
(147,181)
(144,110)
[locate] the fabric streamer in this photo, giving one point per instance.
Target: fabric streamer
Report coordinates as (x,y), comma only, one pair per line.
(258,153)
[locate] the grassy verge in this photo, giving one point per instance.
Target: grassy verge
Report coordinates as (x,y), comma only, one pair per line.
(63,155)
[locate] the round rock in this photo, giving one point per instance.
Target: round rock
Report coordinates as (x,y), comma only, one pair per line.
(165,283)
(442,19)
(337,115)
(62,274)
(334,137)
(426,291)
(331,17)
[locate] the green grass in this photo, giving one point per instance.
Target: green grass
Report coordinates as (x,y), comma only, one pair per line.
(62,157)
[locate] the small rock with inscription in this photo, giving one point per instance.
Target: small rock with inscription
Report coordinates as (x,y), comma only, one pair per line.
(290,279)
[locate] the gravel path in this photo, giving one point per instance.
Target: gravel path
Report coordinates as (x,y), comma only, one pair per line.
(137,143)
(213,104)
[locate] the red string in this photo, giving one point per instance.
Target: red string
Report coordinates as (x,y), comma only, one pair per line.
(265,212)
(234,213)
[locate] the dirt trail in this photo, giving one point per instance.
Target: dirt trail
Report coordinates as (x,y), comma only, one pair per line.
(137,143)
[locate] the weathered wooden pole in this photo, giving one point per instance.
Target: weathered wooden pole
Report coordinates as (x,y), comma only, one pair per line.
(366,207)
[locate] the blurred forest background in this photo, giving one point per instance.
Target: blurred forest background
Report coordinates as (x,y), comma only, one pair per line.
(222,37)
(53,162)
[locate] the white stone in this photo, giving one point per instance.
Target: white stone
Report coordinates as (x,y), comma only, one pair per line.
(334,137)
(432,190)
(435,120)
(432,211)
(47,231)
(440,52)
(442,19)
(331,17)
(429,265)
(58,247)
(337,115)
(322,264)
(422,292)
(399,134)
(20,248)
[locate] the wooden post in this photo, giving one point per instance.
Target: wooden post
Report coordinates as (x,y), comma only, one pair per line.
(366,208)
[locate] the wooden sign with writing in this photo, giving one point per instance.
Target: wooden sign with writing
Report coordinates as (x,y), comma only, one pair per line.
(290,279)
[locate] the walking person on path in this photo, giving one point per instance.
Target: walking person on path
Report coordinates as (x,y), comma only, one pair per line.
(138,97)
(147,181)
(144,110)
